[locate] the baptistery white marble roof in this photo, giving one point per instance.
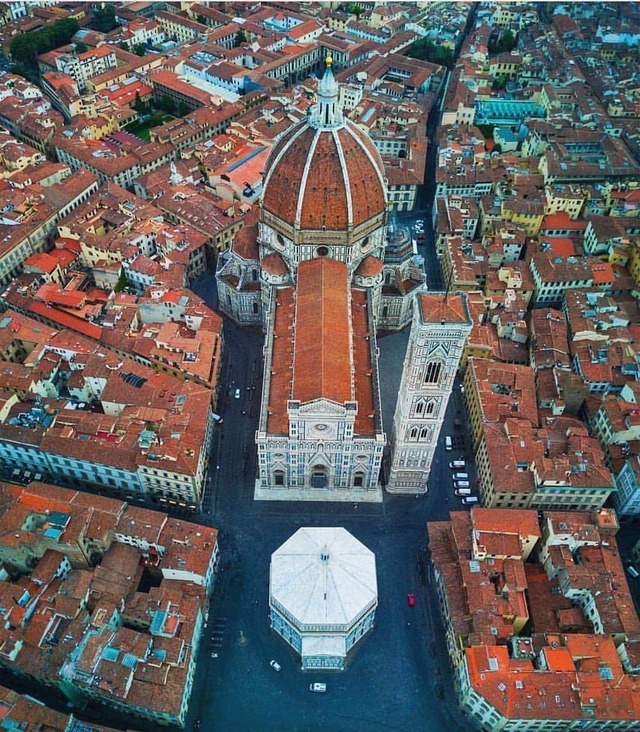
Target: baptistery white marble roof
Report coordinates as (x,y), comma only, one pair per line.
(323,577)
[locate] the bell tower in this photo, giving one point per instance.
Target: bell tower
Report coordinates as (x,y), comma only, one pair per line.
(441,324)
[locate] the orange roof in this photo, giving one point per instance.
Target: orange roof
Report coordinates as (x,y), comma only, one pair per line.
(562,246)
(52,293)
(66,320)
(42,261)
(281,362)
(274,264)
(363,365)
(370,267)
(562,220)
(336,174)
(559,659)
(322,350)
(438,307)
(602,273)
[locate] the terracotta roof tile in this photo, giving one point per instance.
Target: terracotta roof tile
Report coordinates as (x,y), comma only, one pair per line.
(370,267)
(274,264)
(324,201)
(435,307)
(322,355)
(332,195)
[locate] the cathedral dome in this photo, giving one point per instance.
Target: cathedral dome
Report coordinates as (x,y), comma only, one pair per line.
(324,173)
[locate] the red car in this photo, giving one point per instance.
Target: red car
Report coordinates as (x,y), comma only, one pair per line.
(411,600)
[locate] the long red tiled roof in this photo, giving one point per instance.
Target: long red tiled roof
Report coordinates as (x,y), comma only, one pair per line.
(281,362)
(322,352)
(66,320)
(363,366)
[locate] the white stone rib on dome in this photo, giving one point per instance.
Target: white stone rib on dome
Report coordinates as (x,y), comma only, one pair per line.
(318,592)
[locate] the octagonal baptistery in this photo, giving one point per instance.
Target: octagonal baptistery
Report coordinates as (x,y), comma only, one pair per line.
(324,188)
(323,594)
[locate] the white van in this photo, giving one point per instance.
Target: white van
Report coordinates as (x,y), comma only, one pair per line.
(468,501)
(461,484)
(318,688)
(458,464)
(461,476)
(448,445)
(463,492)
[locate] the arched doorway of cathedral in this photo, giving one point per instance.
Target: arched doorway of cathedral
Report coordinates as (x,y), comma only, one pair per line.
(319,476)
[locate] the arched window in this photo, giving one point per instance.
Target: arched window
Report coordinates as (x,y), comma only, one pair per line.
(420,407)
(424,432)
(432,372)
(413,433)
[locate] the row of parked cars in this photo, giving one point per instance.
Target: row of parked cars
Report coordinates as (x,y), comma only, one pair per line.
(461,484)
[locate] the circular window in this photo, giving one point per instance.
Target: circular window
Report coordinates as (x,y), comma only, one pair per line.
(280,241)
(322,251)
(321,427)
(365,242)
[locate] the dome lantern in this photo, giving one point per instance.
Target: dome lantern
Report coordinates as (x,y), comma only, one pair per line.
(326,114)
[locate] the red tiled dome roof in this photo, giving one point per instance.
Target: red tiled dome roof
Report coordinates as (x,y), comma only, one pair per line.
(330,178)
(274,264)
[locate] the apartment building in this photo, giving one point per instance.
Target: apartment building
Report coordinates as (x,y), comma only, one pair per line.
(112,600)
(83,66)
(502,573)
(162,451)
(558,466)
(495,392)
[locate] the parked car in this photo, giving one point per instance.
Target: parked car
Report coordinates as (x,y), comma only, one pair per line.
(448,444)
(461,484)
(237,394)
(411,600)
(469,500)
(458,464)
(275,665)
(318,688)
